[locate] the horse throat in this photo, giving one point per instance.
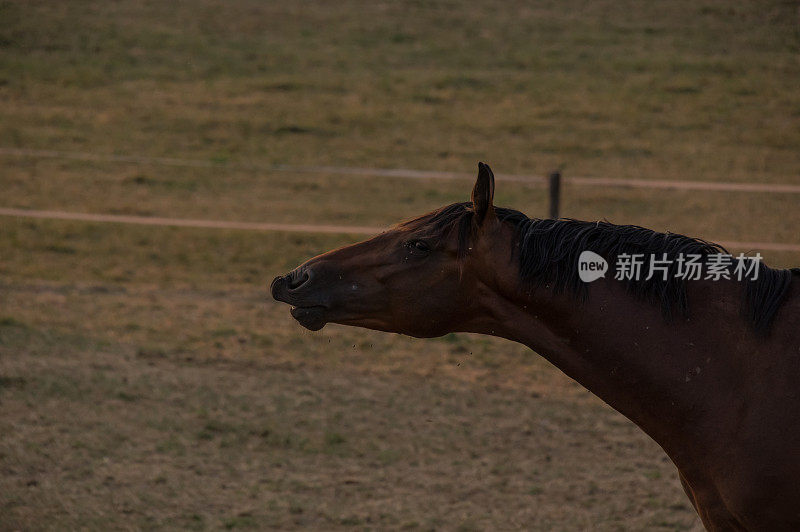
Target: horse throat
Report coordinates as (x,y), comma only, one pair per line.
(654,371)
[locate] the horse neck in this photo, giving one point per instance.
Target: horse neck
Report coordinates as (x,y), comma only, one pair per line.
(623,350)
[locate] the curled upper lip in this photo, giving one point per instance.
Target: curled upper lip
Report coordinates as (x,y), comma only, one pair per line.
(276,288)
(282,291)
(304,309)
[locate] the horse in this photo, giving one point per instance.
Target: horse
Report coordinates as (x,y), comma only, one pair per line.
(709,368)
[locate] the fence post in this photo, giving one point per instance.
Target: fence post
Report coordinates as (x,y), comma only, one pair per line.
(555,193)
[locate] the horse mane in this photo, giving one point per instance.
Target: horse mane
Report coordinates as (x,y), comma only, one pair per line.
(547,251)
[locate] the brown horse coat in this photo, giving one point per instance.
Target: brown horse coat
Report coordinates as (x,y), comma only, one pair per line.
(709,369)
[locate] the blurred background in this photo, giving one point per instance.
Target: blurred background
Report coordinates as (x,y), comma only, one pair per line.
(146,380)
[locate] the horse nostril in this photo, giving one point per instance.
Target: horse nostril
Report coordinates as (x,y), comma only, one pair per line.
(298,279)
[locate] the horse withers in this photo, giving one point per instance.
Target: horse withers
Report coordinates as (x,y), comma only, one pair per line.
(708,367)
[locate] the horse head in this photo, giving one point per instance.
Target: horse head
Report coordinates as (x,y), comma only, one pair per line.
(422,277)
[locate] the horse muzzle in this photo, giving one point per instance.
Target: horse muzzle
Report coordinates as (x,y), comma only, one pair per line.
(293,288)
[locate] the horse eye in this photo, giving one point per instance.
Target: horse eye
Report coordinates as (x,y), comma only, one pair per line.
(420,245)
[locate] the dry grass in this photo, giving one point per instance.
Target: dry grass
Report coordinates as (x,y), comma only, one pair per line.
(697,90)
(197,408)
(239,195)
(145,379)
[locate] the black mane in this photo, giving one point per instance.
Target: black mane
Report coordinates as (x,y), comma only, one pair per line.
(548,252)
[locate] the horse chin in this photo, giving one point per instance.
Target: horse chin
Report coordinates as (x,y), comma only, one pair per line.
(312,318)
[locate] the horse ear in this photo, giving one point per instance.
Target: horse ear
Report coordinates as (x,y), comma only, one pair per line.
(483,193)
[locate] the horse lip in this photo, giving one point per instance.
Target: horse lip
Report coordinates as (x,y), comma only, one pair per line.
(310,314)
(280,292)
(311,317)
(277,288)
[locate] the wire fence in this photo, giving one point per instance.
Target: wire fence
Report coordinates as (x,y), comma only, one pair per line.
(404,173)
(554,181)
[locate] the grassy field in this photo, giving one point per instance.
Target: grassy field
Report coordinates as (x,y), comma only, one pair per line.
(179,397)
(146,380)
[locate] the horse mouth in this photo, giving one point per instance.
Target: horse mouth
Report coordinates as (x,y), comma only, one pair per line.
(312,318)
